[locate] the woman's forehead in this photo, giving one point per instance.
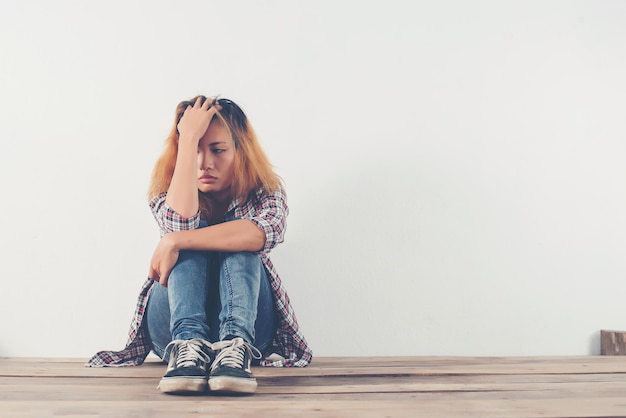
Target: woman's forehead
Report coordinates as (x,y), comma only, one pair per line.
(216,133)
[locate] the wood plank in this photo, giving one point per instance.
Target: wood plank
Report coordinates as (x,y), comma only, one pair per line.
(365,362)
(417,366)
(549,387)
(612,343)
(502,408)
(82,389)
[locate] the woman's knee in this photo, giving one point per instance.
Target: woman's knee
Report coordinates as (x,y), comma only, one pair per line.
(243,258)
(190,256)
(191,262)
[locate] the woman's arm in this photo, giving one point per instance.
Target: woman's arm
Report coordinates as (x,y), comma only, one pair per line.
(168,219)
(182,195)
(233,236)
(269,213)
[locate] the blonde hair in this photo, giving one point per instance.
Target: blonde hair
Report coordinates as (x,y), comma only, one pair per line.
(251,167)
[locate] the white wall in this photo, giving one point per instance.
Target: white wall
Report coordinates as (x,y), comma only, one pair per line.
(455,169)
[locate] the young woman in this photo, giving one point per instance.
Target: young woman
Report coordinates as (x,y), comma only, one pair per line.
(213,301)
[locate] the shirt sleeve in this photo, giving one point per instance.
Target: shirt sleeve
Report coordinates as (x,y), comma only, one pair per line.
(270,215)
(168,219)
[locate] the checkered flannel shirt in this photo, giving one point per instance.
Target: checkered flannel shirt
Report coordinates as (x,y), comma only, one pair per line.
(268,212)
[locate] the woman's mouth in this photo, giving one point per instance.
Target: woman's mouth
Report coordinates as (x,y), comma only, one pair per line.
(207,179)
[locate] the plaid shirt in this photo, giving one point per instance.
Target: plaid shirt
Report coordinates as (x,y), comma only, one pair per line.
(268,212)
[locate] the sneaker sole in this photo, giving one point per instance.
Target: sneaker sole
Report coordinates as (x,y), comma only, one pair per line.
(183,385)
(233,385)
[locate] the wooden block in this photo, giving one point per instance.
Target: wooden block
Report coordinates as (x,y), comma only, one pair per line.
(612,343)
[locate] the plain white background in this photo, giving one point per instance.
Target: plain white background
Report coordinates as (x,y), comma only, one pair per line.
(455,169)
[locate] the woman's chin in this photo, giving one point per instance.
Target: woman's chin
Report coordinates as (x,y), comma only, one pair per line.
(207,188)
(215,192)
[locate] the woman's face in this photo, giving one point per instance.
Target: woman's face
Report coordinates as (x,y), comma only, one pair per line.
(216,153)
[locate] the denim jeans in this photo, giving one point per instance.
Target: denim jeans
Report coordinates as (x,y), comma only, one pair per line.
(213,295)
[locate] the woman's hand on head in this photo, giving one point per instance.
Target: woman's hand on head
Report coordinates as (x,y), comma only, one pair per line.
(163,260)
(195,120)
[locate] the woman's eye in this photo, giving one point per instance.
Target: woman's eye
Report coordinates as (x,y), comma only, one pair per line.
(218,150)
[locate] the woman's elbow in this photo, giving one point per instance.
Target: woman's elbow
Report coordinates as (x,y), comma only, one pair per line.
(258,242)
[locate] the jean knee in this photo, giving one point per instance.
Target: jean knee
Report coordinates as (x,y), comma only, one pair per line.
(190,256)
(190,262)
(241,257)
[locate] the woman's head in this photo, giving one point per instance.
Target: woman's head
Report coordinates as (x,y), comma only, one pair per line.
(229,144)
(216,160)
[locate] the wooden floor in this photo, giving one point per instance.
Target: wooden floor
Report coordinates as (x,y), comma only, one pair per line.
(340,387)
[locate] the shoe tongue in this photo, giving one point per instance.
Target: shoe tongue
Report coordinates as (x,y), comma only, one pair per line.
(187,357)
(234,358)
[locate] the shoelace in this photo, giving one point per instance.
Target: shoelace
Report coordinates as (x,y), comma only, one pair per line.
(232,353)
(188,352)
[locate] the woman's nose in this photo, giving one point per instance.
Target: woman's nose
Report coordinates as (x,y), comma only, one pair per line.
(206,161)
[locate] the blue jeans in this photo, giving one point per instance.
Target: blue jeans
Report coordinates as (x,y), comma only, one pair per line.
(213,295)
